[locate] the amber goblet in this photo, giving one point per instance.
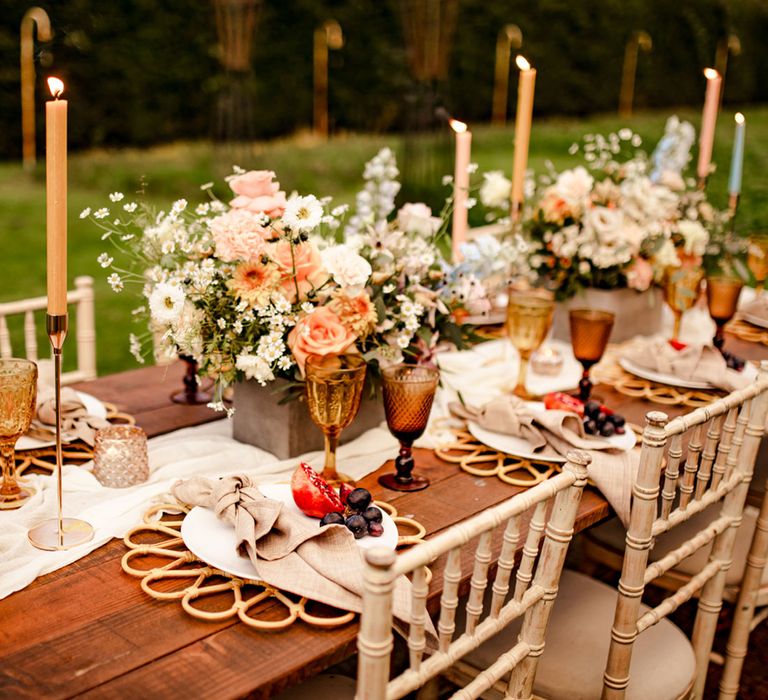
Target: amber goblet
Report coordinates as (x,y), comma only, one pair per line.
(757,260)
(722,300)
(590,330)
(529,318)
(681,289)
(18,398)
(334,387)
(409,391)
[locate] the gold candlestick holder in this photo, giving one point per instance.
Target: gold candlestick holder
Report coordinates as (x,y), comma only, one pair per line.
(59,533)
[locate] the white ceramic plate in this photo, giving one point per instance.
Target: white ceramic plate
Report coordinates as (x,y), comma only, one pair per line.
(213,540)
(520,447)
(92,405)
(749,371)
(755,320)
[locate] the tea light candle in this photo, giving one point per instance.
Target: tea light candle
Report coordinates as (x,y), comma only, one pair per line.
(547,360)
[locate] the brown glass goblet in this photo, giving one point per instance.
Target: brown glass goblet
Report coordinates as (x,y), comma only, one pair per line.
(590,330)
(722,301)
(409,391)
(18,397)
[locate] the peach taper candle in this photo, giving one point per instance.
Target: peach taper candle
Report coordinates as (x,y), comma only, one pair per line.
(522,132)
(460,187)
(56,198)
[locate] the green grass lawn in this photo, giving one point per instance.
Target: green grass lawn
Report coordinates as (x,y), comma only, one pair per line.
(302,164)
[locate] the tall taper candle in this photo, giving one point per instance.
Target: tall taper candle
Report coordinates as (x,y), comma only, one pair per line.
(522,131)
(708,120)
(737,158)
(460,187)
(56,198)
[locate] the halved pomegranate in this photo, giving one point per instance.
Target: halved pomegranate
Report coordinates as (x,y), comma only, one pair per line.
(312,494)
(344,491)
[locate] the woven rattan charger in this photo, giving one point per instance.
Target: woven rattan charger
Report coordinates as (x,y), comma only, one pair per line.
(171,572)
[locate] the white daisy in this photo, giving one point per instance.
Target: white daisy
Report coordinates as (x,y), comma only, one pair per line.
(166,302)
(303,214)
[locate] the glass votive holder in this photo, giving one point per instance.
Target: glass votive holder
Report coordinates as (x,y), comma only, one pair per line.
(120,456)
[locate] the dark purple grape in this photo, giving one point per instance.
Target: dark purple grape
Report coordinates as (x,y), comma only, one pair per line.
(372,514)
(592,408)
(601,418)
(357,525)
(620,430)
(607,430)
(618,420)
(359,499)
(375,529)
(590,427)
(332,519)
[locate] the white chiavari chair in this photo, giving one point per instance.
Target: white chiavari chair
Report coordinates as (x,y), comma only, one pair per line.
(644,655)
(550,510)
(82,298)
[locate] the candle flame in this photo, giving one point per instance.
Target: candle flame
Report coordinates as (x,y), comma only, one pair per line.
(739,118)
(711,73)
(55,86)
(522,63)
(457,126)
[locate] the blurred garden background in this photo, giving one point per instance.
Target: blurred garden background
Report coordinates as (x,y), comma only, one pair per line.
(163,98)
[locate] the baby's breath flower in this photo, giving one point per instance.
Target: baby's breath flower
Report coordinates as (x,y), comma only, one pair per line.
(472,168)
(102,213)
(105,260)
(130,207)
(116,196)
(447,179)
(178,206)
(202,209)
(115,282)
(471,201)
(221,323)
(85,213)
(134,345)
(206,186)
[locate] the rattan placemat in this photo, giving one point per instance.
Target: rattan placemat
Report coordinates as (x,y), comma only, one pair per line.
(747,331)
(172,573)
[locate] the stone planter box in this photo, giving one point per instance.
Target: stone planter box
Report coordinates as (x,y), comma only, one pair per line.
(287,430)
(637,313)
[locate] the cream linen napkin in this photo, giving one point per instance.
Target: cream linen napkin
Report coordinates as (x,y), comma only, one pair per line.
(694,362)
(75,421)
(289,552)
(554,433)
(757,307)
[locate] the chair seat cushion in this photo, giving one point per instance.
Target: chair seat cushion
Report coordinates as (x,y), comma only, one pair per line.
(325,685)
(612,534)
(577,642)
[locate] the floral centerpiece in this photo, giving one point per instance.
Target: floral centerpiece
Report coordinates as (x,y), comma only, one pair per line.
(623,219)
(252,286)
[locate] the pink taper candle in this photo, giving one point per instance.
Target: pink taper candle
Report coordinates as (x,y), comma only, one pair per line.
(522,131)
(56,198)
(708,120)
(460,186)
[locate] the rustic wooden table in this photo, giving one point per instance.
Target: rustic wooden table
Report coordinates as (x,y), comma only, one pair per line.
(88,630)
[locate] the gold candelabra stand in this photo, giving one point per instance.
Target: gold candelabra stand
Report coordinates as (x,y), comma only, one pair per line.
(33,17)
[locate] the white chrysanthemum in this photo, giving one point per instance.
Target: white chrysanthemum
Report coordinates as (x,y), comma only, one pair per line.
(495,190)
(166,302)
(303,214)
(347,268)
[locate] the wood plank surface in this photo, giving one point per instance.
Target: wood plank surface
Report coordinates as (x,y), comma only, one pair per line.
(88,629)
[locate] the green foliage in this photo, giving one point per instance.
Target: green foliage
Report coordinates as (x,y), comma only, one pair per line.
(146,71)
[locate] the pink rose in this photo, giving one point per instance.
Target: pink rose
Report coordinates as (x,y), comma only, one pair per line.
(319,333)
(238,235)
(300,269)
(640,275)
(258,192)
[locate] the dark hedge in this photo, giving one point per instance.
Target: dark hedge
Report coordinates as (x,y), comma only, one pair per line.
(143,71)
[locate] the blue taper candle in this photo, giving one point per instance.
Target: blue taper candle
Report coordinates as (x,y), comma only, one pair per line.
(737,158)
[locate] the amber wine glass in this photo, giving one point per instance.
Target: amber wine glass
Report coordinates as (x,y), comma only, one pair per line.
(590,330)
(529,318)
(681,290)
(409,391)
(757,260)
(334,387)
(18,397)
(722,300)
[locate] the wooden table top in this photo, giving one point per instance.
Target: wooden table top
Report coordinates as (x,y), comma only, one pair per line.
(88,630)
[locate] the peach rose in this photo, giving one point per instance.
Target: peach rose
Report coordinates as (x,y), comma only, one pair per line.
(301,269)
(319,333)
(258,192)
